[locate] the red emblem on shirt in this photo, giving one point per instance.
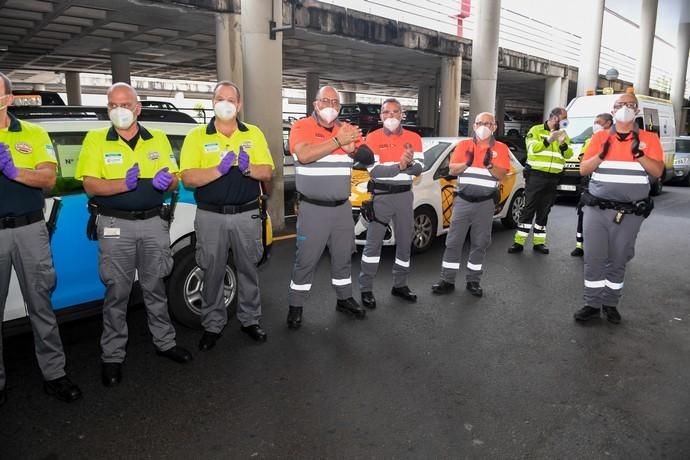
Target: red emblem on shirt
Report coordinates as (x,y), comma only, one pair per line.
(23,147)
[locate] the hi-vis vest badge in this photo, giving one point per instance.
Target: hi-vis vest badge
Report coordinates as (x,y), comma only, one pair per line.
(23,147)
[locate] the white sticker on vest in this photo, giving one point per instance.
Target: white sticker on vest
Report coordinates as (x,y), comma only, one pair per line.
(214,147)
(113,158)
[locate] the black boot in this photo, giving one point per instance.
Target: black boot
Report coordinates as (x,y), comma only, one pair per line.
(368,299)
(294,317)
(586,313)
(515,248)
(442,287)
(351,307)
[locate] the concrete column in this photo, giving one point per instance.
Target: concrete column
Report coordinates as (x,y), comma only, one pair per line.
(73,88)
(427,105)
(229,48)
(263,79)
(647,30)
(565,86)
(553,90)
(451,78)
(312,89)
(347,97)
(500,116)
(485,60)
(680,73)
(120,68)
(588,72)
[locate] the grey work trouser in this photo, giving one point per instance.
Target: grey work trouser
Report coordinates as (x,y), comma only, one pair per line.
(477,219)
(216,235)
(609,248)
(28,250)
(395,207)
(143,246)
(318,227)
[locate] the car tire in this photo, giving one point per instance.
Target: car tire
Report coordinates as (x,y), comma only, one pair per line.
(513,132)
(184,288)
(425,226)
(657,187)
(512,218)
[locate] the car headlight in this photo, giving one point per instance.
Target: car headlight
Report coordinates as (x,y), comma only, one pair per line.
(361,187)
(683,161)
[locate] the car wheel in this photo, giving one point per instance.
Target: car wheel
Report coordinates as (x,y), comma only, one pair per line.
(425,224)
(657,187)
(185,284)
(513,132)
(512,218)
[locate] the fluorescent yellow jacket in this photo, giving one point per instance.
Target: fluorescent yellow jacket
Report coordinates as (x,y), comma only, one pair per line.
(544,156)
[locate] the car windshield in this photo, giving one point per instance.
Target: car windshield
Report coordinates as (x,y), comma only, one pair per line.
(580,129)
(372,109)
(432,153)
(682,145)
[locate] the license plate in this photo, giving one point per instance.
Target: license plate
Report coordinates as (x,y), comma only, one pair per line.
(568,188)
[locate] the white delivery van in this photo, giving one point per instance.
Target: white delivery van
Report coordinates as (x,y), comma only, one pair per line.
(656,115)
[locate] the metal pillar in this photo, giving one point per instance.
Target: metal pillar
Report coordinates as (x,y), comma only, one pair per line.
(229,48)
(588,72)
(647,30)
(263,79)
(312,89)
(73,88)
(485,60)
(553,90)
(680,74)
(119,64)
(451,78)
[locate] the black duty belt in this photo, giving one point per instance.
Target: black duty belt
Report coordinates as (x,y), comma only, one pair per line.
(639,208)
(330,204)
(388,188)
(229,208)
(21,221)
(477,199)
(130,215)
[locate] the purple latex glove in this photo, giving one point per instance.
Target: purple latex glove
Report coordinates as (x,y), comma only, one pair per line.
(132,177)
(162,180)
(243,161)
(226,163)
(7,166)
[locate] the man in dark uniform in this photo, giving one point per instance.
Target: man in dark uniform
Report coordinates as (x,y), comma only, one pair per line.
(127,169)
(621,161)
(226,161)
(27,167)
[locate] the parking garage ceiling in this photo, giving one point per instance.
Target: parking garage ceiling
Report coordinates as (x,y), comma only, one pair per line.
(174,41)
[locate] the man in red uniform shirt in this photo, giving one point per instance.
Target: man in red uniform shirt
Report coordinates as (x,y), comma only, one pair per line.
(480,164)
(621,161)
(399,157)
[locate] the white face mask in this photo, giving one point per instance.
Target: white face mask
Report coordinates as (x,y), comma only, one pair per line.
(625,114)
(596,127)
(225,110)
(328,114)
(391,124)
(482,133)
(121,117)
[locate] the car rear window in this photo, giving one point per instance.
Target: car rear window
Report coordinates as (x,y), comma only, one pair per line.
(682,145)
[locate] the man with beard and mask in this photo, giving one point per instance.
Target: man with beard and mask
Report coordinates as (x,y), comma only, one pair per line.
(480,164)
(399,157)
(226,160)
(127,169)
(548,146)
(621,161)
(601,122)
(27,167)
(324,149)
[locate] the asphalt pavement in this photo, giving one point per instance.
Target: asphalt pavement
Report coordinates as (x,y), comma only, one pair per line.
(509,375)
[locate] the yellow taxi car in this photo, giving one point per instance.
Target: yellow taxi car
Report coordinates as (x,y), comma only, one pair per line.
(433,196)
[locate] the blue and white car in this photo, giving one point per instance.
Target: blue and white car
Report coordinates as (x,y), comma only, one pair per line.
(79,287)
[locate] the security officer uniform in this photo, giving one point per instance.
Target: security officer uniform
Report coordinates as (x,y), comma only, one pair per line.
(227,218)
(584,184)
(132,235)
(25,245)
(392,200)
(545,162)
(617,203)
(476,195)
(324,218)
